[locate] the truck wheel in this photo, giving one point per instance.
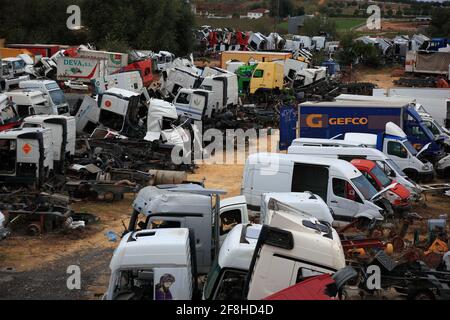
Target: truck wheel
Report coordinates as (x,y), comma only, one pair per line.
(412,174)
(423,295)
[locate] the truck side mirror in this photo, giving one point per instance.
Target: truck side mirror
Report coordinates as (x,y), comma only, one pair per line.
(277,238)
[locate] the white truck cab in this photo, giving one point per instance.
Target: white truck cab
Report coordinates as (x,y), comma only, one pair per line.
(29,102)
(189,206)
(399,149)
(227,276)
(344,150)
(153,265)
(345,190)
(289,250)
(130,80)
(51,91)
(27,155)
(63,135)
(195,104)
(307,203)
(4,232)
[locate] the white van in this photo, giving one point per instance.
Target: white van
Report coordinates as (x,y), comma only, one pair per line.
(346,191)
(348,151)
(29,102)
(51,91)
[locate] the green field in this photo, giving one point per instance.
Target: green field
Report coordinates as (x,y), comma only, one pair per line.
(348,24)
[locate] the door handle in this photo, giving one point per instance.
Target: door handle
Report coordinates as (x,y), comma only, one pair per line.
(334,202)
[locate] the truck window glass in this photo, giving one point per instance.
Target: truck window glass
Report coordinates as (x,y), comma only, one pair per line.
(7,115)
(418,133)
(184,98)
(8,155)
(228,220)
(310,178)
(397,149)
(305,273)
(433,128)
(367,190)
(231,285)
(382,177)
(258,73)
(162,224)
(57,97)
(371,180)
(111,120)
(135,285)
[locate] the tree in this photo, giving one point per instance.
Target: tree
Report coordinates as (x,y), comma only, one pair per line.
(317,25)
(281,8)
(115,25)
(440,23)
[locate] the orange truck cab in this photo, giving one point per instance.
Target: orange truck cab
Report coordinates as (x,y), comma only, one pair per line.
(399,197)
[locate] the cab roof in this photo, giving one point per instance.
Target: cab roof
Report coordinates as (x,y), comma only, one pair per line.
(237,249)
(159,247)
(361,163)
(278,158)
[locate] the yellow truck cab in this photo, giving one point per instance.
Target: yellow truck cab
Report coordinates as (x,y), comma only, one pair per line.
(267,76)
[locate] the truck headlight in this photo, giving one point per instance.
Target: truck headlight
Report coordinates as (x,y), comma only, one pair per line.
(426,167)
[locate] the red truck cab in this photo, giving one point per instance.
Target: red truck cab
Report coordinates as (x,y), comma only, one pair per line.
(399,197)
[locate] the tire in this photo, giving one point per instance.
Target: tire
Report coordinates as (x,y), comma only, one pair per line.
(412,174)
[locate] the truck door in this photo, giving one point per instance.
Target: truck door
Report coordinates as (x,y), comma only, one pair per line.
(231,216)
(344,200)
(397,152)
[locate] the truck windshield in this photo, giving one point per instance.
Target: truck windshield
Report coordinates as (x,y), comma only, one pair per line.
(395,167)
(211,280)
(8,115)
(381,176)
(410,148)
(364,186)
(57,97)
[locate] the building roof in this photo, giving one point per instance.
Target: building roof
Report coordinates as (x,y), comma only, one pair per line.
(259,10)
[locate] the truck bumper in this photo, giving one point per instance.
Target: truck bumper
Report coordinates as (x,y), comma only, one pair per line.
(426,176)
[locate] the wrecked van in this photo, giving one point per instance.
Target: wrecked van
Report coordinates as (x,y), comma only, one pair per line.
(346,191)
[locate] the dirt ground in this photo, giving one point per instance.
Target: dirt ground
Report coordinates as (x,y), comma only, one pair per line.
(395,26)
(382,78)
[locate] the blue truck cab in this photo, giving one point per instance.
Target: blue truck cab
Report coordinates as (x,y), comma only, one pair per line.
(327,120)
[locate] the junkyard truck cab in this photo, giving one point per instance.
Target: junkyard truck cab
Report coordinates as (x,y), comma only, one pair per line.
(145,261)
(27,156)
(194,104)
(29,102)
(289,250)
(63,135)
(51,91)
(227,276)
(267,76)
(188,206)
(119,110)
(399,196)
(9,118)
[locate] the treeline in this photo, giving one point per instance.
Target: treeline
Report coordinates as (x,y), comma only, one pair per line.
(116,25)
